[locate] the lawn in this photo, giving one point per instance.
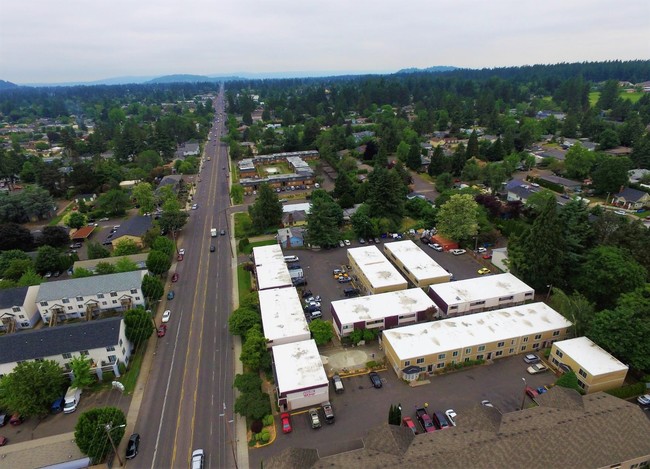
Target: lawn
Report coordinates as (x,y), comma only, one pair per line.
(243,282)
(243,225)
(130,378)
(633,97)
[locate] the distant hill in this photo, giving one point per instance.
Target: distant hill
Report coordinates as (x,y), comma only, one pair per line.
(7,85)
(434,69)
(183,78)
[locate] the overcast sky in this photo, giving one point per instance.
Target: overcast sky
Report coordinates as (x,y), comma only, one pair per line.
(47,41)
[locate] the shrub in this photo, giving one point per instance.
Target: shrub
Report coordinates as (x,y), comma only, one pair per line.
(257,426)
(122,367)
(265,436)
(108,376)
(626,392)
(372,364)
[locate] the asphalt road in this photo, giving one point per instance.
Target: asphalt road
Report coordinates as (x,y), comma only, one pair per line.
(192,373)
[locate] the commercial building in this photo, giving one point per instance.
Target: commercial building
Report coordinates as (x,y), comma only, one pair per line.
(566,430)
(18,308)
(103,341)
(480,294)
(595,368)
(299,375)
(283,319)
(427,347)
(382,311)
(270,269)
(416,265)
(81,297)
(375,274)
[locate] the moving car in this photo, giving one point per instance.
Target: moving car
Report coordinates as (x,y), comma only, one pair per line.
(175,277)
(170,295)
(181,251)
(536,368)
(223,232)
(375,379)
(212,248)
(458,252)
(180,257)
(194,206)
(166,316)
(197,459)
(451,416)
(162,330)
(484,271)
(531,358)
(286,422)
(132,446)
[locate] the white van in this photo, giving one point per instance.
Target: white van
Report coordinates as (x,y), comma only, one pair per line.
(71,401)
(213,232)
(291,259)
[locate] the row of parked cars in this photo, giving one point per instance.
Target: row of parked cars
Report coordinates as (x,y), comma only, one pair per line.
(430,422)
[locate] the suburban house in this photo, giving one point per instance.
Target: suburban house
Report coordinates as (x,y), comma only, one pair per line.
(283,319)
(88,297)
(103,341)
(291,237)
(632,199)
(133,229)
(374,272)
(592,431)
(187,149)
(172,180)
(566,184)
(85,198)
(18,308)
(595,368)
(430,346)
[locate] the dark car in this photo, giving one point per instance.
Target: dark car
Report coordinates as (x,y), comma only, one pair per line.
(3,418)
(170,295)
(299,281)
(307,294)
(175,277)
(212,248)
(223,232)
(57,406)
(375,379)
(132,446)
(425,420)
(16,419)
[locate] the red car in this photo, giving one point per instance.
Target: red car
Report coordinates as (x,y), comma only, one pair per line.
(162,330)
(532,393)
(286,423)
(408,422)
(175,277)
(487,255)
(3,440)
(180,257)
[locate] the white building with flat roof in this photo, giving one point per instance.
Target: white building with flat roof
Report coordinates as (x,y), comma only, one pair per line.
(374,272)
(300,376)
(283,319)
(594,367)
(415,264)
(426,347)
(271,270)
(382,311)
(479,294)
(268,254)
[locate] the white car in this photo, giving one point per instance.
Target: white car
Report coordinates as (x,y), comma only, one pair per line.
(620,212)
(181,251)
(458,252)
(436,247)
(347,242)
(536,368)
(195,206)
(481,250)
(451,416)
(644,400)
(341,244)
(166,315)
(197,459)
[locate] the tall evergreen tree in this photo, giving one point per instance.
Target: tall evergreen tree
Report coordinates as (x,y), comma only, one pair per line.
(266,212)
(472,146)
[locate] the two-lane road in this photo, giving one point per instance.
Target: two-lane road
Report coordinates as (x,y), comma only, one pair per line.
(192,374)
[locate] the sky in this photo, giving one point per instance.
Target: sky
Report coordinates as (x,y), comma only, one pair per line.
(47,41)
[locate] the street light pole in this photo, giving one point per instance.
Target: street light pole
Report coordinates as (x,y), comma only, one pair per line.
(230,437)
(523,399)
(548,293)
(108,427)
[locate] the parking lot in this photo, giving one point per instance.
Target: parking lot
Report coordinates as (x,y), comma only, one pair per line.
(361,406)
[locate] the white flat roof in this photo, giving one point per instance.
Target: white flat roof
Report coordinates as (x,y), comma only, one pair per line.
(282,314)
(303,207)
(368,308)
(416,260)
(377,269)
(268,254)
(591,358)
(298,366)
(481,288)
(273,275)
(430,338)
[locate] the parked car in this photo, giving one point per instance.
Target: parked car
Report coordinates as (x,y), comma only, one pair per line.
(532,393)
(531,358)
(408,423)
(644,400)
(487,255)
(536,368)
(451,416)
(375,379)
(481,250)
(440,420)
(377,240)
(484,271)
(162,330)
(486,403)
(4,417)
(458,252)
(286,422)
(314,419)
(170,295)
(341,243)
(425,420)
(3,440)
(132,446)
(298,281)
(436,247)
(347,242)
(16,419)
(620,212)
(175,277)
(344,279)
(306,294)
(166,316)
(350,292)
(362,241)
(179,257)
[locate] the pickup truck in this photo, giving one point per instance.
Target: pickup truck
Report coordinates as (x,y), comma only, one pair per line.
(425,420)
(314,420)
(329,412)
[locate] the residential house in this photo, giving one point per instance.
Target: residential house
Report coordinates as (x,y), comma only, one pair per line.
(632,199)
(133,229)
(187,149)
(566,184)
(104,342)
(85,198)
(18,308)
(172,180)
(89,297)
(291,237)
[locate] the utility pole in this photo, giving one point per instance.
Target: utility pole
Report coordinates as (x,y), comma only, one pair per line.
(523,399)
(108,427)
(230,437)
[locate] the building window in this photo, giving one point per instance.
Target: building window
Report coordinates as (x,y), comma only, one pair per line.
(21,316)
(80,298)
(505,298)
(112,358)
(511,351)
(134,291)
(498,353)
(16,309)
(582,373)
(468,351)
(419,361)
(513,342)
(523,347)
(538,336)
(525,340)
(454,354)
(123,351)
(581,384)
(137,298)
(65,300)
(70,308)
(66,356)
(501,344)
(407,362)
(558,353)
(100,295)
(556,333)
(466,359)
(104,303)
(440,365)
(479,357)
(113,293)
(43,303)
(442,356)
(453,307)
(477,303)
(481,348)
(114,302)
(110,348)
(84,353)
(536,345)
(530,293)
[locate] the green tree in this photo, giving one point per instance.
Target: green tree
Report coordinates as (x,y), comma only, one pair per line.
(14,237)
(114,202)
(471,171)
(458,217)
(158,262)
(610,173)
(569,380)
(82,377)
(494,175)
(578,235)
(76,220)
(31,387)
(47,259)
(608,95)
(266,212)
(138,325)
(608,139)
(472,146)
(56,236)
(253,405)
(579,161)
(254,354)
(576,308)
(7,257)
(91,432)
(242,320)
(321,331)
(403,151)
(17,268)
(164,244)
(29,278)
(143,195)
(152,288)
(125,247)
(80,272)
(104,268)
(248,382)
(323,220)
(125,265)
(97,251)
(414,158)
(444,181)
(386,193)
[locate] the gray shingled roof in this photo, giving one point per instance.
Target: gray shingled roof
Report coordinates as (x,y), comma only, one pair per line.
(89,285)
(597,430)
(12,297)
(48,341)
(630,195)
(134,226)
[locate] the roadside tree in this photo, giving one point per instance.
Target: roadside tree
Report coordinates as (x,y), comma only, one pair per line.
(242,320)
(91,432)
(266,212)
(139,326)
(152,288)
(144,197)
(158,262)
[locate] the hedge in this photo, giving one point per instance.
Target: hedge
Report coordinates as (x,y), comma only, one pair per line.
(626,392)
